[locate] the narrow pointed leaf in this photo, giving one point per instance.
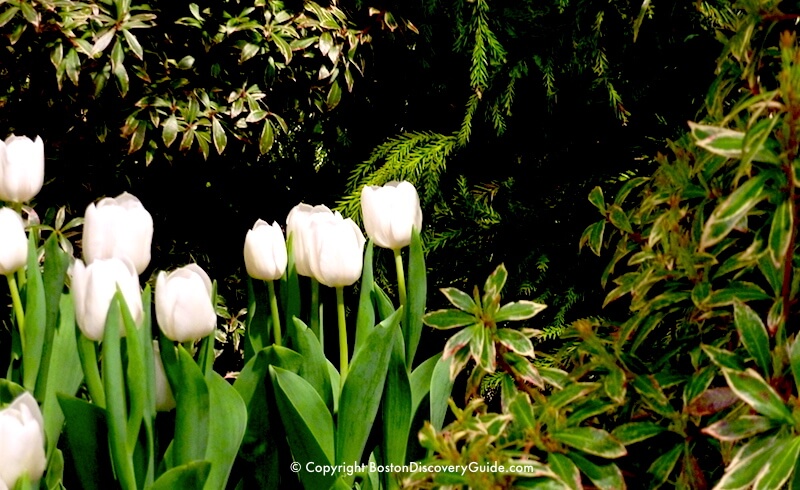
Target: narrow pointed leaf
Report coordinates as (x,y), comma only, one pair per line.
(754,391)
(591,440)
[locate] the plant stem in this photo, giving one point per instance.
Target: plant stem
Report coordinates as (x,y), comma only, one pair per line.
(343,350)
(88,356)
(401,277)
(273,306)
(315,307)
(18,311)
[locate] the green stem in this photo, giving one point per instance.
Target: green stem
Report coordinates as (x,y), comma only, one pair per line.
(315,307)
(91,373)
(343,350)
(273,306)
(18,311)
(401,278)
(189,347)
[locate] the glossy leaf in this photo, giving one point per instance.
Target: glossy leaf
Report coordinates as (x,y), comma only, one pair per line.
(190,475)
(604,476)
(460,300)
(745,467)
(227,424)
(711,401)
(739,428)
(662,467)
(597,200)
(566,470)
(35,318)
(86,434)
(753,390)
(729,212)
(591,440)
(519,310)
(417,293)
(193,407)
(779,467)
(441,386)
(515,341)
(444,319)
(593,236)
(753,334)
(780,233)
(634,432)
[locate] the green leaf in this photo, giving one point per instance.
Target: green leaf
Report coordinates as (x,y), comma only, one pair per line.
(572,392)
(780,233)
(134,44)
(794,359)
(35,318)
(314,368)
(728,213)
(460,300)
(494,284)
(739,428)
(308,423)
(220,138)
(745,467)
(634,432)
(614,384)
(441,386)
(619,219)
(445,319)
(593,236)
(193,406)
(590,440)
(7,15)
(753,335)
(723,358)
(753,390)
(596,198)
(283,47)
(325,43)
(86,434)
(334,95)
(190,475)
(605,477)
(420,381)
(267,138)
(417,293)
(227,425)
(29,13)
(515,341)
(361,394)
(169,130)
(566,470)
(779,467)
(397,409)
(664,464)
(519,310)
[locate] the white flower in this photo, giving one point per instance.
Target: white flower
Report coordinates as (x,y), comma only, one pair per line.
(183,304)
(390,212)
(337,256)
(118,227)
(93,288)
(22,436)
(298,228)
(265,251)
(21,168)
(13,242)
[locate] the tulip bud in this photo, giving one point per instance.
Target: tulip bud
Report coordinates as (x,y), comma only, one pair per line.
(265,251)
(13,242)
(22,436)
(183,304)
(21,168)
(93,288)
(118,227)
(165,401)
(338,250)
(298,227)
(390,212)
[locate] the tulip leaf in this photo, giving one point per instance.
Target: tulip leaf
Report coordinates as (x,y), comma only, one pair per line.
(397,404)
(420,380)
(228,422)
(308,423)
(441,386)
(191,475)
(417,294)
(590,440)
(86,435)
(290,290)
(56,262)
(64,374)
(314,368)
(116,400)
(753,334)
(365,319)
(753,390)
(257,324)
(35,318)
(361,393)
(192,412)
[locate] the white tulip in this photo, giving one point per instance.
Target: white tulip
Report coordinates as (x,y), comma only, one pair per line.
(298,227)
(265,251)
(183,304)
(21,168)
(13,242)
(118,227)
(93,288)
(165,400)
(22,446)
(390,213)
(337,255)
